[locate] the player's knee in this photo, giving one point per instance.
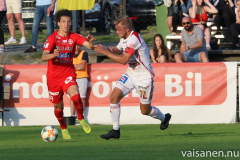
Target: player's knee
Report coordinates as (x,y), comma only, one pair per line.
(114,98)
(146,110)
(76,99)
(58,106)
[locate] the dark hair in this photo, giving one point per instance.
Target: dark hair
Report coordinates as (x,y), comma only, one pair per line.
(163,47)
(61,13)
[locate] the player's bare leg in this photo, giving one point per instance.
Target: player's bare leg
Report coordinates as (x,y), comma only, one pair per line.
(147,109)
(115,110)
(75,97)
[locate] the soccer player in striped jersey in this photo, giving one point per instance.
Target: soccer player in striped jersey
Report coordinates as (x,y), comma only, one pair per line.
(132,50)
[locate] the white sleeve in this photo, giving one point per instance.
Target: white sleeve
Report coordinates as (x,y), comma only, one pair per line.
(119,46)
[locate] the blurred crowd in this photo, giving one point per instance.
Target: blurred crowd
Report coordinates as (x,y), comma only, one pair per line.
(193,15)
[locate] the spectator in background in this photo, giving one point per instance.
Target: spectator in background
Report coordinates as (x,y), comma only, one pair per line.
(214,3)
(199,16)
(3,10)
(43,8)
(80,62)
(225,18)
(169,5)
(235,29)
(181,8)
(193,47)
(15,7)
(160,53)
(226,15)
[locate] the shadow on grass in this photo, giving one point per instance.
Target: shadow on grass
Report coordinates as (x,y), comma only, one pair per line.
(191,134)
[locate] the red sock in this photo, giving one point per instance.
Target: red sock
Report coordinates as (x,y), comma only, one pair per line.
(78,105)
(59,115)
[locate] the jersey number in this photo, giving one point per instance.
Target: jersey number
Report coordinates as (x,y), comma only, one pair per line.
(143,94)
(68,80)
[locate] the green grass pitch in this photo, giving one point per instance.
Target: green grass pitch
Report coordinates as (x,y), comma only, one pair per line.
(137,142)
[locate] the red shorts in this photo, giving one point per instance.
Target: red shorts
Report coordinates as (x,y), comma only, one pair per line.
(57,87)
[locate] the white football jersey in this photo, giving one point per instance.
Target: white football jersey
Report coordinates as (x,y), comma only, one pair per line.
(140,64)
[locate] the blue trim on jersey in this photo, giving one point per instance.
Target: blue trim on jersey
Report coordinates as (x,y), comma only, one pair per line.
(65,55)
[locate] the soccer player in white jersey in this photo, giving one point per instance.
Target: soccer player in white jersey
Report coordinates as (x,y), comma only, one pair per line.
(132,50)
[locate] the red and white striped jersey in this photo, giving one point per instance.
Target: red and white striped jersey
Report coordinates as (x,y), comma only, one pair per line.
(140,63)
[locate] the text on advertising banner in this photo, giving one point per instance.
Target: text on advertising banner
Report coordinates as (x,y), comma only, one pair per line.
(174,84)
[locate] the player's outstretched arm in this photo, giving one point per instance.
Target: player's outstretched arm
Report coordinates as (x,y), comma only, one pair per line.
(47,56)
(122,59)
(114,50)
(89,42)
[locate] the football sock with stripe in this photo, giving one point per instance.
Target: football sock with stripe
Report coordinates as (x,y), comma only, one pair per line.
(115,115)
(156,113)
(59,115)
(78,105)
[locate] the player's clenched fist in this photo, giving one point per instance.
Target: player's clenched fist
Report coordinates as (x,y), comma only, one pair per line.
(56,52)
(90,38)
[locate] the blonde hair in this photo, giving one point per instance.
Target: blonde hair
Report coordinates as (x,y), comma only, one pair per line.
(125,21)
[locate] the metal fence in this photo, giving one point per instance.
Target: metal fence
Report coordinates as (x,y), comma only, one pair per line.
(101,18)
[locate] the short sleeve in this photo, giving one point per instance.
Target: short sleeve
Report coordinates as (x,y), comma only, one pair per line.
(199,33)
(119,46)
(80,39)
(134,42)
(49,43)
(182,36)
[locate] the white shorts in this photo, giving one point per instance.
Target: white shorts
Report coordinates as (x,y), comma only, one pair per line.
(144,88)
(14,6)
(82,86)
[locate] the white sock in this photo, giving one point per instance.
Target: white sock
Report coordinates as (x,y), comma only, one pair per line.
(208,45)
(156,113)
(115,115)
